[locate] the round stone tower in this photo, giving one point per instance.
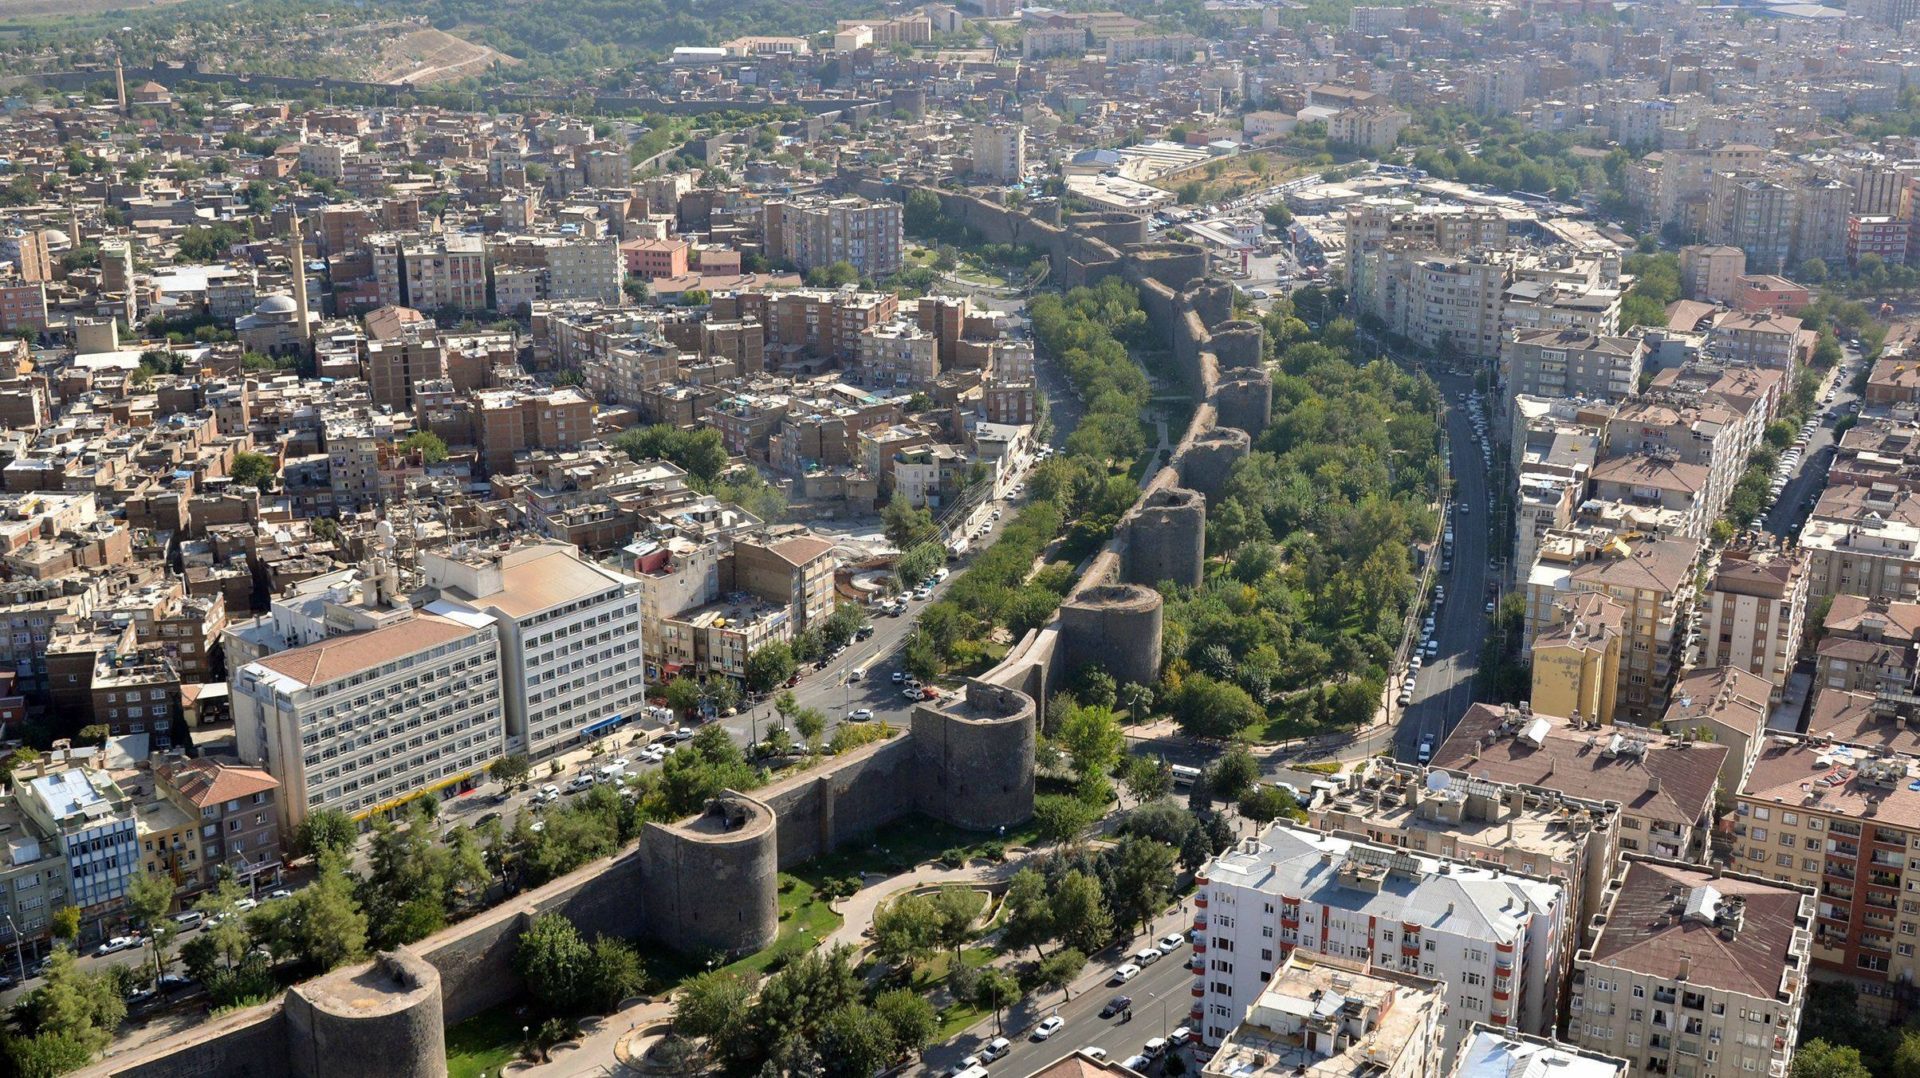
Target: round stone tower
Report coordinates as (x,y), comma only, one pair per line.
(381,1019)
(1116,626)
(1245,401)
(1209,461)
(1239,343)
(975,753)
(1167,539)
(1113,228)
(728,850)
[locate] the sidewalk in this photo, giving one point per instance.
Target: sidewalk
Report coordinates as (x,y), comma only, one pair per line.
(857,911)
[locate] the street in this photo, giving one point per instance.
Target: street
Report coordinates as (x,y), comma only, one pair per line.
(1162,999)
(1444,686)
(1790,510)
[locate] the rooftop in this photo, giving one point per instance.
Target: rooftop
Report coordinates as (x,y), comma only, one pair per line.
(1323,1017)
(1707,929)
(1504,1054)
(352,653)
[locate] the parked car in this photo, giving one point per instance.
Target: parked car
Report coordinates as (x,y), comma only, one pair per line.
(1171,942)
(281,892)
(1115,1006)
(1048,1027)
(995,1048)
(246,905)
(860,714)
(1146,956)
(189,918)
(579,783)
(122,943)
(1125,973)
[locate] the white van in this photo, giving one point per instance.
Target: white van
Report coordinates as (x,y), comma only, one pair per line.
(1184,775)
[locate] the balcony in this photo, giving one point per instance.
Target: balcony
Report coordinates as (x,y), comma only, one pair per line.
(1663,995)
(1837,871)
(1844,849)
(1884,878)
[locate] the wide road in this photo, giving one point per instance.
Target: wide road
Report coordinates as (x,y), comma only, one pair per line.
(1790,510)
(1444,686)
(1162,997)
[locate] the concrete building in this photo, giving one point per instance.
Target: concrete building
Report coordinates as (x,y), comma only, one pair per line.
(1695,973)
(1708,271)
(1571,363)
(365,722)
(1576,660)
(1727,706)
(819,232)
(1652,578)
(1875,558)
(1499,1053)
(1755,609)
(1868,646)
(235,812)
(1541,833)
(89,818)
(1000,151)
(569,631)
(1503,940)
(1665,787)
(1327,1017)
(1830,818)
(445,271)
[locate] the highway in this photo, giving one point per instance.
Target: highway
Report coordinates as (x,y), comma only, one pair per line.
(1444,686)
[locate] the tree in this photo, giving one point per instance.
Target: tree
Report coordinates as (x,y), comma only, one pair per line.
(1235,773)
(77,1011)
(253,470)
(907,526)
(511,769)
(65,923)
(1148,777)
(920,658)
(326,831)
(1906,1058)
(1206,707)
(149,897)
(552,960)
(955,909)
(1264,804)
(1060,818)
(1091,736)
(840,626)
(431,447)
(996,989)
(1058,969)
(854,1042)
(1142,880)
(812,725)
(1080,917)
(683,695)
(911,1020)
(770,665)
(905,930)
(713,1005)
(321,926)
(1029,916)
(1819,1059)
(833,275)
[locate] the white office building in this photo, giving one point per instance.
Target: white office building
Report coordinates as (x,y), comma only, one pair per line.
(1500,941)
(570,651)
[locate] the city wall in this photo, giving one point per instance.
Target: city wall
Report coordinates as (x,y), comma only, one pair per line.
(968,761)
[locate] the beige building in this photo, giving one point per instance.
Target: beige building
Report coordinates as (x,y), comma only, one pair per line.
(1326,1017)
(1725,705)
(1707,272)
(794,572)
(1755,610)
(1576,660)
(1875,557)
(1651,578)
(1868,646)
(1694,974)
(1665,787)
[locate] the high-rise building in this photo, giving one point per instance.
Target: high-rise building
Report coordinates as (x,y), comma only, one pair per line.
(1755,611)
(569,638)
(1000,151)
(1386,1024)
(1695,972)
(817,232)
(1501,939)
(365,721)
(1571,363)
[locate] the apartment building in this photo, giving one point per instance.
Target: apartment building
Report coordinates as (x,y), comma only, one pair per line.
(810,321)
(89,818)
(1708,272)
(898,355)
(1881,236)
(1727,706)
(569,638)
(1501,1053)
(1576,659)
(1503,940)
(1758,339)
(1868,646)
(23,305)
(795,571)
(1699,434)
(1540,833)
(1571,363)
(1651,578)
(235,812)
(819,232)
(1665,786)
(1876,557)
(1841,821)
(1450,303)
(999,151)
(445,271)
(1754,214)
(365,722)
(1755,609)
(1695,974)
(1327,1017)
(34,881)
(1660,480)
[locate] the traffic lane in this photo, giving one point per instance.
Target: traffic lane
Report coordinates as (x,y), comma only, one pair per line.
(1167,983)
(1791,510)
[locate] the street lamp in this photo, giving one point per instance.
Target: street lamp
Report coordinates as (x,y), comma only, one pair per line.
(17,956)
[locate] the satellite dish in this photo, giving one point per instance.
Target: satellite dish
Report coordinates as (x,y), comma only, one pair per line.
(1437,782)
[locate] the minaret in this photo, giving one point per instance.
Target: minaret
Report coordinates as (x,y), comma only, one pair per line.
(120,84)
(298,249)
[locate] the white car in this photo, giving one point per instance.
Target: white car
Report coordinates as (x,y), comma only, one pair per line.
(247,905)
(1124,974)
(995,1048)
(1094,1051)
(1171,942)
(1048,1027)
(1146,956)
(116,945)
(547,793)
(860,714)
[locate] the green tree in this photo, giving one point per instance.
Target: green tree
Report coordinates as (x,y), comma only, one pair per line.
(1819,1059)
(907,526)
(955,909)
(910,1020)
(253,470)
(321,926)
(683,695)
(76,1011)
(149,897)
(326,831)
(1058,969)
(714,1005)
(995,990)
(1029,914)
(905,931)
(1091,737)
(1062,819)
(431,447)
(64,923)
(1235,773)
(1906,1057)
(1142,880)
(1148,777)
(1079,912)
(770,665)
(1264,804)
(552,959)
(833,275)
(840,625)
(511,769)
(1206,707)
(855,1041)
(811,724)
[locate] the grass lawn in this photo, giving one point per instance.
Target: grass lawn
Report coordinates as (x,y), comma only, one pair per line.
(955,1016)
(905,843)
(805,919)
(483,1044)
